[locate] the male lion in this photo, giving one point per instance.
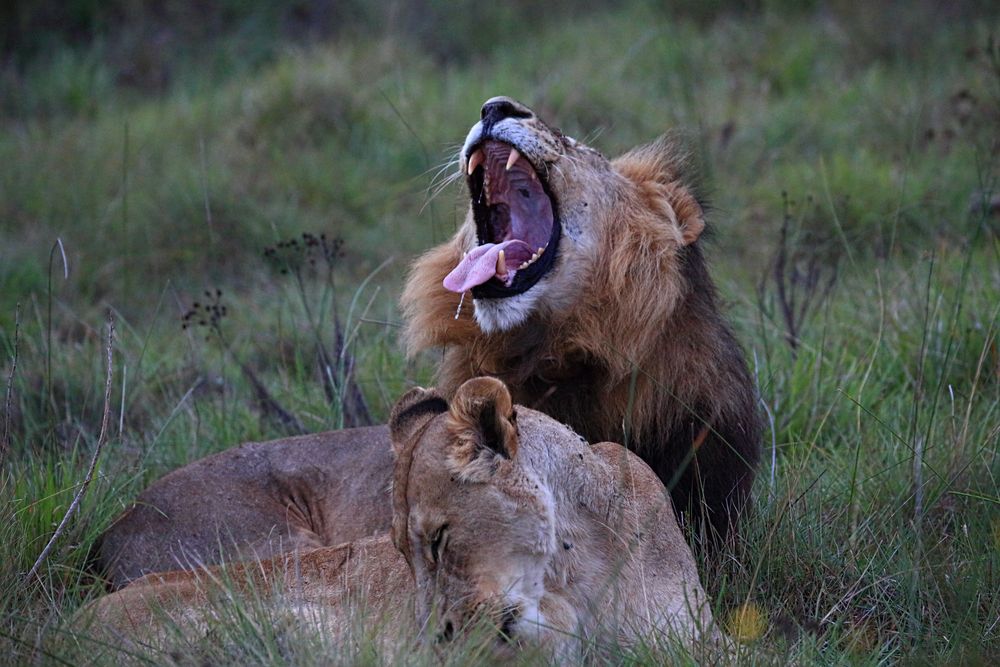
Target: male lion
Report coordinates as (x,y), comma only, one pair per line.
(590,299)
(507,520)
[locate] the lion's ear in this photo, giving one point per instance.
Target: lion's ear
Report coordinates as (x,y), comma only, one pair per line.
(481,421)
(690,215)
(412,412)
(658,169)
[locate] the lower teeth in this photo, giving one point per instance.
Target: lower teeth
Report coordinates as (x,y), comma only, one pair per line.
(534,258)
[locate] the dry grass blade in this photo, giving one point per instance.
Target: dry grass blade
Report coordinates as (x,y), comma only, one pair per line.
(93,460)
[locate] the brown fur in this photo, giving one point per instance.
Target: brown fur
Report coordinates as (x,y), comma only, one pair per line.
(255,501)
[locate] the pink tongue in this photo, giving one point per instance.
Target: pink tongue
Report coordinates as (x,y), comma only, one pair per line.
(477,267)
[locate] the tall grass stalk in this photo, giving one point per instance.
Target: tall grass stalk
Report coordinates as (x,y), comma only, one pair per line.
(8,394)
(93,461)
(48,316)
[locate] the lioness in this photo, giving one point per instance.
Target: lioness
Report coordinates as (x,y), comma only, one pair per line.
(502,515)
(501,511)
(589,298)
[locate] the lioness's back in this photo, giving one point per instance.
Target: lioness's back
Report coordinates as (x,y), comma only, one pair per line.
(255,500)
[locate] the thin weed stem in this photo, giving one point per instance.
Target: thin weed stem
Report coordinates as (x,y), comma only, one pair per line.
(126,275)
(5,441)
(101,439)
(48,321)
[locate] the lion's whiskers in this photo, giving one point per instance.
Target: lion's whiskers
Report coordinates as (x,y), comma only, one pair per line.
(438,182)
(574,159)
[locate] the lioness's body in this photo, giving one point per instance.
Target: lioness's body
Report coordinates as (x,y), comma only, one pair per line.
(578,539)
(334,589)
(255,501)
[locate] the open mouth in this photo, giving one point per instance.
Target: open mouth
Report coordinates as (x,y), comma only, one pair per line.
(516,225)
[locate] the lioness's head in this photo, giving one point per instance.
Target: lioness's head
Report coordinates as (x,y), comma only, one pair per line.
(507,516)
(472,518)
(549,218)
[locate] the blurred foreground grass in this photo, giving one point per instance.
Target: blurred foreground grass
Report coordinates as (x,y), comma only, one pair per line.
(866,137)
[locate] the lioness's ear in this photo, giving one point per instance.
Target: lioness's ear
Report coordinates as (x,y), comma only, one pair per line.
(482,420)
(411,412)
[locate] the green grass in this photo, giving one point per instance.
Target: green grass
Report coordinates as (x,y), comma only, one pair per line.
(876,532)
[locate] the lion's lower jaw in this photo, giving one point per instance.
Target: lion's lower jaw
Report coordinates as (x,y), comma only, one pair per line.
(495,315)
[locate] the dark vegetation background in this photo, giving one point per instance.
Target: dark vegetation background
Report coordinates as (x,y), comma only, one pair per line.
(242,185)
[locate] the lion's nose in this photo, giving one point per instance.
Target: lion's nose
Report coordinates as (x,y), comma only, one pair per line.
(498,108)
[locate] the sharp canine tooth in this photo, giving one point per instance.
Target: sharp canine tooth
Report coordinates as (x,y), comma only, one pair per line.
(475,160)
(501,265)
(514,155)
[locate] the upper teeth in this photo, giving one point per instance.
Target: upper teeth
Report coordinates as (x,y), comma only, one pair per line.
(514,155)
(475,160)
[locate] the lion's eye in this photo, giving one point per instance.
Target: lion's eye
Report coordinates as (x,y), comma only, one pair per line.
(438,542)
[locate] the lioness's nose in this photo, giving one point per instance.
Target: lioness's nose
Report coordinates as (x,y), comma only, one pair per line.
(498,108)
